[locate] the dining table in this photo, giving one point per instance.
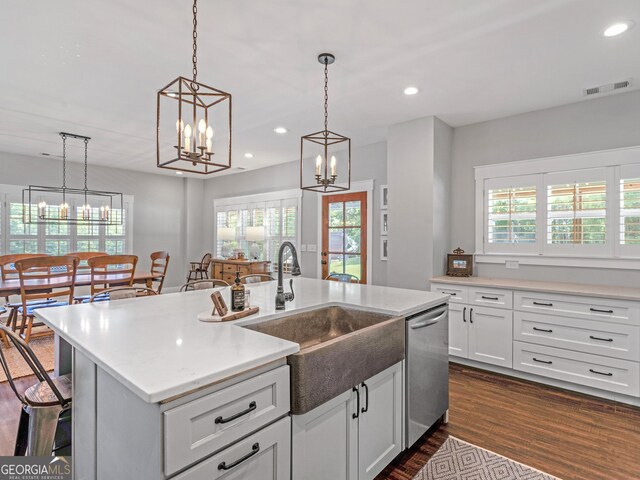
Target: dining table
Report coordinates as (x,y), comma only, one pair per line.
(11,286)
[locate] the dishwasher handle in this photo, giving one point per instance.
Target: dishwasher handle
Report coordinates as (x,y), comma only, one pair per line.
(428,323)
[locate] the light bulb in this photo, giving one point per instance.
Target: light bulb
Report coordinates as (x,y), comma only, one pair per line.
(333,166)
(187,131)
(209,132)
(318,164)
(179,126)
(202,125)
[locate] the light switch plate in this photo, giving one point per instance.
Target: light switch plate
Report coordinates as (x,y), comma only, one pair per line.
(514,264)
(312,248)
(303,247)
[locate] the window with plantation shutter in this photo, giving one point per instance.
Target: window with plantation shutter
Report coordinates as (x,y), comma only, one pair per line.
(276,212)
(512,215)
(630,211)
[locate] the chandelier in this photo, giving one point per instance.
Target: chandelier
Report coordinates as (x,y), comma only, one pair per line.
(192,135)
(71,205)
(323,154)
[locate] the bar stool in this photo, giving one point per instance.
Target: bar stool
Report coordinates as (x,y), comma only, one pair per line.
(256,278)
(203,284)
(42,404)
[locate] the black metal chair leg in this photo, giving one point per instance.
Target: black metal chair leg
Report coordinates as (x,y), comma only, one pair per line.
(22,436)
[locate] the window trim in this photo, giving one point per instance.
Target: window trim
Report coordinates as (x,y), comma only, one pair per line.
(612,255)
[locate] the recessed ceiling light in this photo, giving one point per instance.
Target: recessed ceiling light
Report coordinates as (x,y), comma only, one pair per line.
(178,173)
(617,29)
(248,155)
(411,90)
(280,130)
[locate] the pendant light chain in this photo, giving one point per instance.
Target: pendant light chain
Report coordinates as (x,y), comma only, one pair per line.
(326,97)
(64,161)
(195,41)
(86,143)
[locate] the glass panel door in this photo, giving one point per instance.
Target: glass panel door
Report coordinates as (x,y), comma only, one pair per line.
(344,237)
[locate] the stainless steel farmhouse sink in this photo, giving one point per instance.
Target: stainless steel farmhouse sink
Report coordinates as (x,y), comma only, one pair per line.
(339,348)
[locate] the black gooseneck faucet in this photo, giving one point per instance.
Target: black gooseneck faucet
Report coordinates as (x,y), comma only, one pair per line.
(281,297)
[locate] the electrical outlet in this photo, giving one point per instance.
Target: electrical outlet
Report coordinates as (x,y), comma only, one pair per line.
(312,248)
(512,264)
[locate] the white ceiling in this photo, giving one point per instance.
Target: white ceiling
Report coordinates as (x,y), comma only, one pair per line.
(93,67)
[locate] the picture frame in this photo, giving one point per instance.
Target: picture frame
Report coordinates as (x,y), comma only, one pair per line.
(383,248)
(384,197)
(384,222)
(459,264)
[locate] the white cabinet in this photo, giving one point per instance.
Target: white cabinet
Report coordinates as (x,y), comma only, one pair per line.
(380,421)
(480,323)
(491,335)
(353,436)
(458,330)
(261,456)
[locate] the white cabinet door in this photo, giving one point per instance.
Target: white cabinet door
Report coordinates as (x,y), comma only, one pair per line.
(265,455)
(380,429)
(491,335)
(458,330)
(325,441)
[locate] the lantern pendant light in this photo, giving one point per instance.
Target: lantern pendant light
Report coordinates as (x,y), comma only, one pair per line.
(193,133)
(332,149)
(63,212)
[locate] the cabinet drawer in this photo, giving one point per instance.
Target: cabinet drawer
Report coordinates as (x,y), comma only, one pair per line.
(614,375)
(491,297)
(267,456)
(588,336)
(572,305)
(230,268)
(457,293)
(199,428)
(230,278)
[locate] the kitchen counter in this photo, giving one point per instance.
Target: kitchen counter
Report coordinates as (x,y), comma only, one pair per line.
(600,291)
(157,348)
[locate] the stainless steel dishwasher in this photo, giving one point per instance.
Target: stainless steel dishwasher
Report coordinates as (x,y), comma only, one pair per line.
(427,370)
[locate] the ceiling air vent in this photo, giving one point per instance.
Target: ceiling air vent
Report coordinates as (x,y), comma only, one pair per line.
(609,87)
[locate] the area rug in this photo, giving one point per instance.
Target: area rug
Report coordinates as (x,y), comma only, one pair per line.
(42,347)
(459,460)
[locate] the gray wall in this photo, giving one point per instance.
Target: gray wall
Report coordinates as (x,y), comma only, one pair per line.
(367,163)
(598,124)
(159,218)
(419,179)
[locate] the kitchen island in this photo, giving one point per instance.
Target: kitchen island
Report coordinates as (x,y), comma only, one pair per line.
(143,368)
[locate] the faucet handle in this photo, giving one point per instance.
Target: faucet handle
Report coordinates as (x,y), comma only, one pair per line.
(291,288)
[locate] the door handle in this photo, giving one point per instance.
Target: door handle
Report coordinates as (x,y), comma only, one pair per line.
(464,314)
(365,409)
(254,449)
(428,322)
(471,316)
(357,414)
(323,262)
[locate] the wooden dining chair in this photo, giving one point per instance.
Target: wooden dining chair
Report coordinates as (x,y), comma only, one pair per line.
(256,278)
(121,293)
(112,271)
(3,337)
(159,266)
(43,428)
(83,259)
(200,270)
(44,278)
(342,277)
(203,284)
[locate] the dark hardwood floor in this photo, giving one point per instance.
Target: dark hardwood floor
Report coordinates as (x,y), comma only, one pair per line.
(569,435)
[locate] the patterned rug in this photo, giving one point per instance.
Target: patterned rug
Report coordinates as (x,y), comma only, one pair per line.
(42,347)
(459,460)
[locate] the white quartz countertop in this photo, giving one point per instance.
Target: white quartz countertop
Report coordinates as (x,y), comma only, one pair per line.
(600,291)
(158,349)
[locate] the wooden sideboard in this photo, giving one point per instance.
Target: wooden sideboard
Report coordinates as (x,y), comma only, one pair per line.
(224,269)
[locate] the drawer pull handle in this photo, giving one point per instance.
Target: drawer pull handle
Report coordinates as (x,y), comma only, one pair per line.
(484,297)
(252,407)
(543,304)
(601,339)
(548,362)
(597,310)
(601,373)
(254,449)
(453,294)
(542,330)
